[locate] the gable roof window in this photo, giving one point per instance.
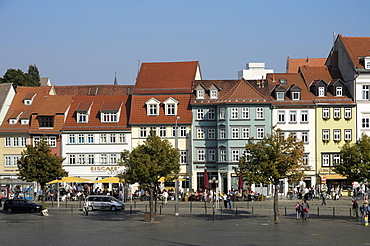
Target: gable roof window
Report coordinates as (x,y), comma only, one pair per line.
(200,92)
(280,95)
(296,95)
(110,111)
(46,121)
(213,92)
(321,91)
(339,91)
(152,106)
(170,106)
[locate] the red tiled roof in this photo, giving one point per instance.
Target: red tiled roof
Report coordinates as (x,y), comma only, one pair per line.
(111,106)
(52,105)
(94,122)
(356,47)
(293,65)
(166,77)
(94,90)
(139,111)
(83,106)
(235,91)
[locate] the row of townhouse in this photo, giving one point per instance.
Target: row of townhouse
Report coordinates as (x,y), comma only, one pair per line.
(324,102)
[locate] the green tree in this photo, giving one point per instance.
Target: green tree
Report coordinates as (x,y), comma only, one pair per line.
(149,162)
(18,78)
(271,159)
(355,160)
(38,164)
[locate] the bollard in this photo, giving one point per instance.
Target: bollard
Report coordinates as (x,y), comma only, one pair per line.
(134,204)
(72,209)
(252,210)
(160,209)
(205,206)
(146,208)
(350,212)
(221,210)
(191,207)
(318,211)
(236,211)
(285,211)
(333,211)
(130,209)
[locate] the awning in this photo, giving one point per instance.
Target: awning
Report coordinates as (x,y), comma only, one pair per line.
(333,176)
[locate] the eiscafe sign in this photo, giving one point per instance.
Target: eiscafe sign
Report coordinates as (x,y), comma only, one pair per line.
(103,169)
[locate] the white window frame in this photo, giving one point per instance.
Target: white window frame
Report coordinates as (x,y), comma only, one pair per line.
(201,155)
(214,94)
(91,159)
(260,132)
(304,137)
(296,95)
(348,113)
(280,95)
(235,155)
(326,113)
(293,116)
(11,160)
(245,133)
(336,113)
(336,135)
(200,133)
(163,131)
(321,91)
(222,113)
(365,92)
(339,91)
(325,135)
(234,113)
(347,135)
(109,117)
(223,155)
(245,113)
(72,159)
(200,114)
(304,116)
(325,160)
(260,113)
(182,131)
(222,132)
(183,157)
(235,132)
(200,94)
(281,116)
(90,138)
(103,138)
(143,132)
(82,117)
(71,138)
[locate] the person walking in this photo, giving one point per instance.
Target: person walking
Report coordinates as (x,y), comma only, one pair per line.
(323,195)
(87,206)
(355,208)
(298,209)
(304,209)
(364,211)
(165,196)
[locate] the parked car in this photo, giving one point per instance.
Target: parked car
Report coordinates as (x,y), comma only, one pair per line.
(21,205)
(102,202)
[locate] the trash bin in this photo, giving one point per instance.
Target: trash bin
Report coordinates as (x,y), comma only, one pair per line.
(147,216)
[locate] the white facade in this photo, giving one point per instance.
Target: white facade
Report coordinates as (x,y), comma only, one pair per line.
(94,155)
(362,99)
(7,100)
(254,71)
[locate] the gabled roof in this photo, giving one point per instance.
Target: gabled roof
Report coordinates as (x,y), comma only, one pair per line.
(94,90)
(166,77)
(230,91)
(97,104)
(139,115)
(292,80)
(293,65)
(357,47)
(4,90)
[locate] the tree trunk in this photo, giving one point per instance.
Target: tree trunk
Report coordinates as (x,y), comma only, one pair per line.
(151,202)
(43,188)
(276,205)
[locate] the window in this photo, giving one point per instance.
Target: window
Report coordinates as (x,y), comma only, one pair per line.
(245,113)
(222,133)
(170,109)
(347,113)
(259,113)
(72,159)
(367,65)
(365,122)
(339,91)
(280,95)
(200,94)
(183,157)
(365,92)
(222,113)
(336,159)
(296,95)
(234,113)
(305,159)
(211,114)
(81,159)
(113,159)
(103,138)
(325,160)
(325,135)
(143,132)
(325,113)
(109,117)
(25,121)
(235,155)
(211,133)
(82,117)
(201,156)
(213,94)
(90,138)
(321,91)
(71,139)
(90,159)
(112,138)
(81,138)
(52,141)
(281,116)
(222,155)
(260,133)
(304,116)
(304,137)
(336,135)
(200,114)
(16,142)
(200,133)
(348,135)
(182,131)
(293,116)
(336,113)
(36,139)
(122,138)
(174,131)
(46,121)
(162,131)
(23,141)
(11,160)
(234,133)
(103,159)
(153,109)
(211,155)
(245,133)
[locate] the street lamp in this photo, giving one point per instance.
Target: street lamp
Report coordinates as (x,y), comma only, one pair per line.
(177,176)
(215,195)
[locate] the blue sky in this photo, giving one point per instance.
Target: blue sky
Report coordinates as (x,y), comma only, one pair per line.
(87,41)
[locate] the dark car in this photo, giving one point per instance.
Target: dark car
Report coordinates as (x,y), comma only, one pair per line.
(20,205)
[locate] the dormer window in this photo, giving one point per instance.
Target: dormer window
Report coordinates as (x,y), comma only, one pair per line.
(170,106)
(27,102)
(368,65)
(82,117)
(200,94)
(25,121)
(28,99)
(280,95)
(46,121)
(12,121)
(109,117)
(296,95)
(83,112)
(152,107)
(110,112)
(213,92)
(367,62)
(339,91)
(321,91)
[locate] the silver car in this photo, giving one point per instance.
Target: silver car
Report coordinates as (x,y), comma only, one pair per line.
(102,202)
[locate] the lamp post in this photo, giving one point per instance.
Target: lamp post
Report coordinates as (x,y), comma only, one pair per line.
(215,195)
(177,176)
